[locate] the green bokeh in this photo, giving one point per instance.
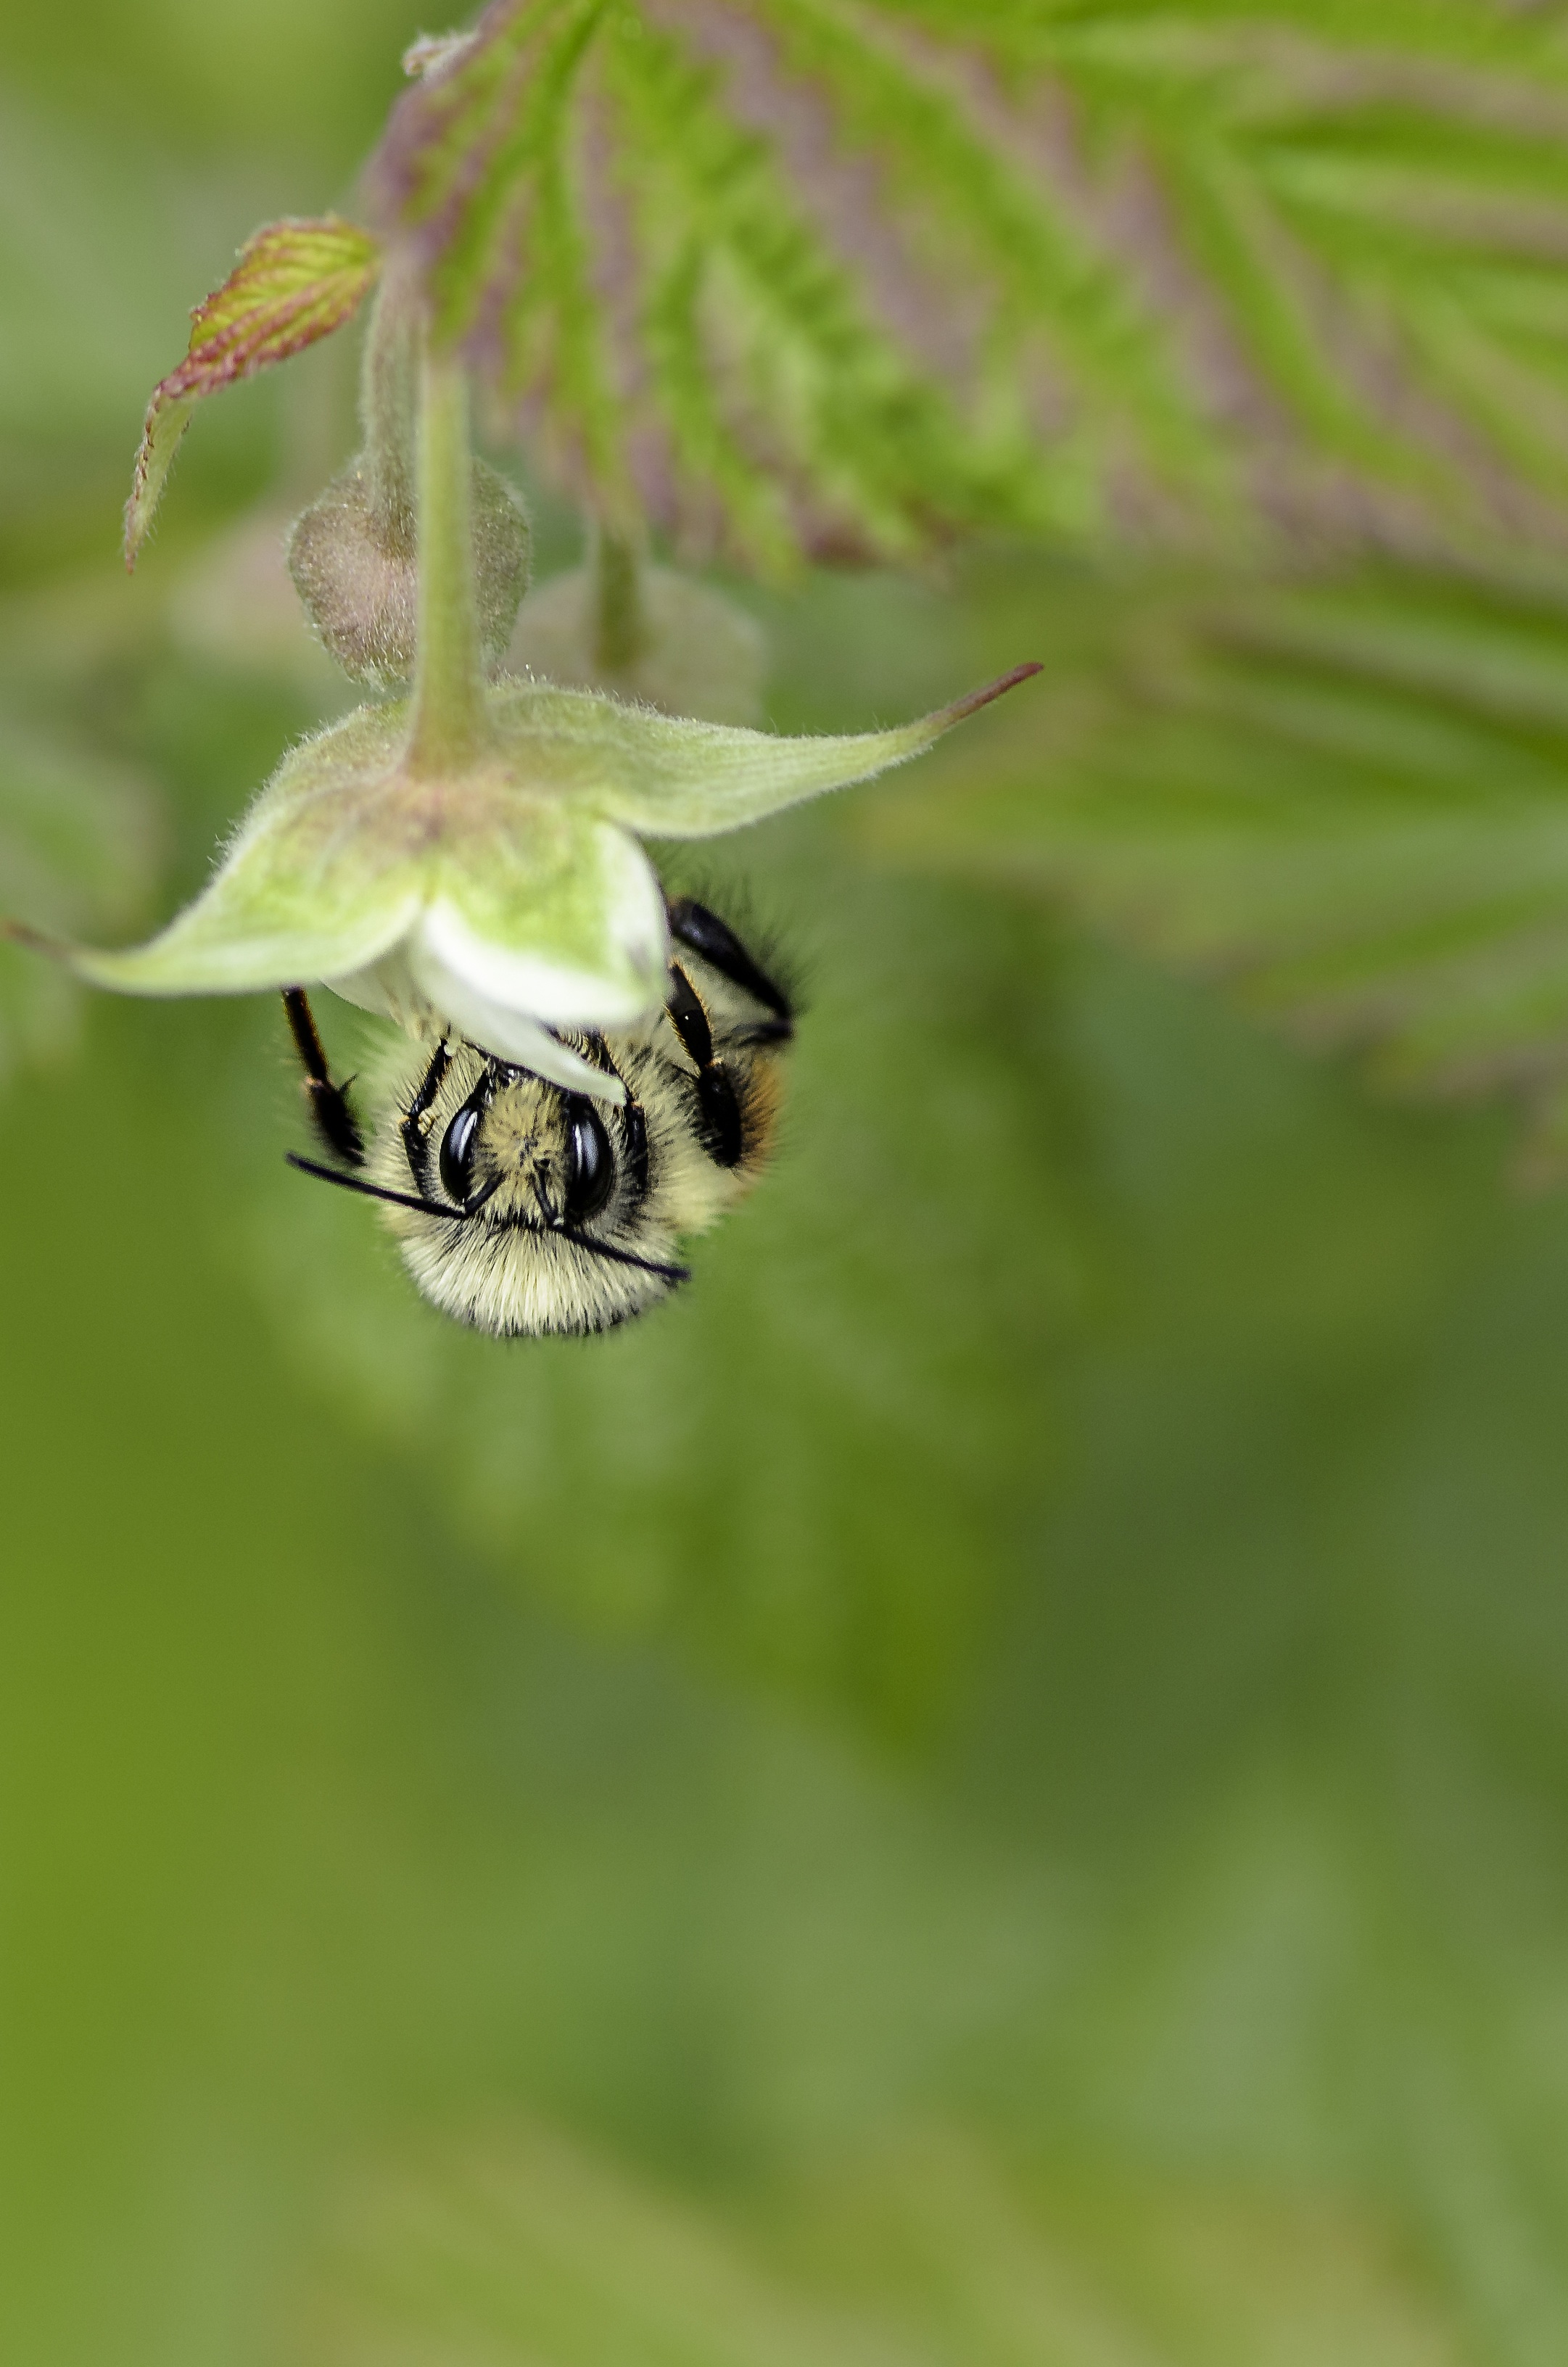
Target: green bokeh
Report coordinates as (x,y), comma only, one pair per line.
(987,1790)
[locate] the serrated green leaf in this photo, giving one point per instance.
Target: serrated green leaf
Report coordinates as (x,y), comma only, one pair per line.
(770,273)
(825,275)
(295,283)
(1348,802)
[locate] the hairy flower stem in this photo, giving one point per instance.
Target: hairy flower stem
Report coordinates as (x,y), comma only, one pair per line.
(620,621)
(451,725)
(389,404)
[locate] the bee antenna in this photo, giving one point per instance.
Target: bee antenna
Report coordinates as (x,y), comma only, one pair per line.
(371,1190)
(619,1257)
(465,1216)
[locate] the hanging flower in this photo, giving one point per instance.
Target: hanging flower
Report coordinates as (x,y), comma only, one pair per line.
(468,858)
(506,892)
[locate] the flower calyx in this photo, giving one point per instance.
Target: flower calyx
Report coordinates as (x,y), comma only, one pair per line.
(507,897)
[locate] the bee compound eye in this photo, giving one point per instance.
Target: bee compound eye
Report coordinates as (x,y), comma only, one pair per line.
(590,1162)
(457,1154)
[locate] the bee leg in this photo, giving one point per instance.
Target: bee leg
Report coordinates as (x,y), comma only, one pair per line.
(633,1126)
(414,1147)
(724,1134)
(333,1121)
(693,924)
(688,1018)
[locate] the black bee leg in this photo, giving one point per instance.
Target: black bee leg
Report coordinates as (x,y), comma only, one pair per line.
(724,1137)
(633,1124)
(693,924)
(331,1116)
(688,1018)
(414,1147)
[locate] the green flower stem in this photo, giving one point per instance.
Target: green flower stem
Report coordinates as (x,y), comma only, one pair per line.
(389,391)
(451,723)
(619,618)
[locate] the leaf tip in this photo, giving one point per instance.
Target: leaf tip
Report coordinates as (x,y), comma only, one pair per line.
(295,282)
(432,53)
(35,941)
(973,700)
(168,415)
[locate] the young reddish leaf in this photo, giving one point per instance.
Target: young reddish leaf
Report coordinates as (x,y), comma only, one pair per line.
(295,282)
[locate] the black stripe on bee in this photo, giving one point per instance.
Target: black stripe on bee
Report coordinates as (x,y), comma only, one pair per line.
(720,1129)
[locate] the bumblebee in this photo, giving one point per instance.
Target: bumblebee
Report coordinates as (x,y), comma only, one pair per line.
(523,1208)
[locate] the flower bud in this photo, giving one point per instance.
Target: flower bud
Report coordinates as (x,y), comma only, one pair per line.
(354,553)
(355,568)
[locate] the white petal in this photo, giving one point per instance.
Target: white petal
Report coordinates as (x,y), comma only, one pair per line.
(502,1028)
(562,994)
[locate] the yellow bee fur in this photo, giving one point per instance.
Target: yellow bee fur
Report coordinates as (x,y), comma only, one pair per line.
(523,1208)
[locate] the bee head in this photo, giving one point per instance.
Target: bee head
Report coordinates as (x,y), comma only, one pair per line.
(529,1208)
(514,1149)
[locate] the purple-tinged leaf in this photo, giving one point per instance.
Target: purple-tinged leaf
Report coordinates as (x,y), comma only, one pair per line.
(838,277)
(295,282)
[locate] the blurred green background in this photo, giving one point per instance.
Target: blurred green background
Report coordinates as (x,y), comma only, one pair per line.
(990,1789)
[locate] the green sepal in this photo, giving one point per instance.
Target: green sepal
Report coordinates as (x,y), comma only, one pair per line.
(671,777)
(487,883)
(309,889)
